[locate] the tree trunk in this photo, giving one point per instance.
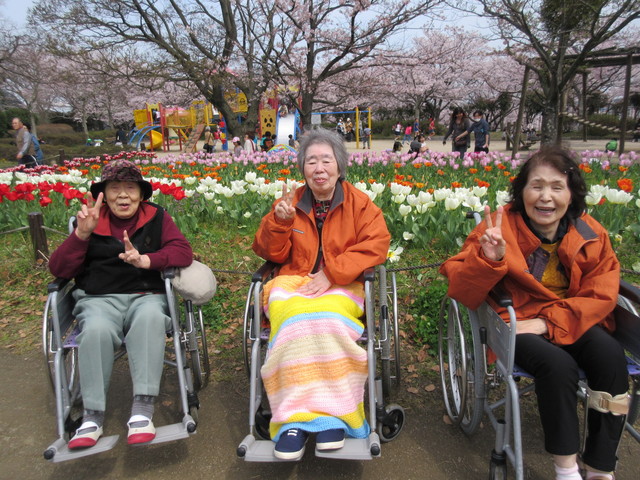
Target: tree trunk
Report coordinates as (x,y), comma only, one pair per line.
(34,128)
(306,108)
(549,128)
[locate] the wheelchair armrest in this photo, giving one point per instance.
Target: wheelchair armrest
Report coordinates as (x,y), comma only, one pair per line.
(169,272)
(629,291)
(264,271)
(57,285)
(500,295)
(370,274)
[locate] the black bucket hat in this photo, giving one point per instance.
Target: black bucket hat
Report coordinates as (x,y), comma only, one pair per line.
(122,171)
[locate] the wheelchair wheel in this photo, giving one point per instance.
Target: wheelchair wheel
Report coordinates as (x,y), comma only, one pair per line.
(198,352)
(391,424)
(262,420)
(247,342)
(390,349)
(461,367)
(69,360)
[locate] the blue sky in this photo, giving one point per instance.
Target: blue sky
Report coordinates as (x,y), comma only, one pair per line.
(16,10)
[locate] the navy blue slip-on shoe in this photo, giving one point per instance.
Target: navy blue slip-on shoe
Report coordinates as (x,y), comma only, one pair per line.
(330,439)
(291,444)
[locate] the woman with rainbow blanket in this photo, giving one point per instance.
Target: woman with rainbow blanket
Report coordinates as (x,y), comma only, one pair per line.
(323,235)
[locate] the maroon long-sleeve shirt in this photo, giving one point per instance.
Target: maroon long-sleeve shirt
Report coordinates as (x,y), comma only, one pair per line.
(175,251)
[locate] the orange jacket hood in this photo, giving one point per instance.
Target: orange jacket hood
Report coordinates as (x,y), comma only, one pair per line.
(354,236)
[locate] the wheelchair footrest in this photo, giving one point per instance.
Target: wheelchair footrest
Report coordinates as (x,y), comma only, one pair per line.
(169,433)
(354,449)
(61,452)
(253,450)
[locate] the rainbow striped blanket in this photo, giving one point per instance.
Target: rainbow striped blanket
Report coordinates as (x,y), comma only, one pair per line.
(315,371)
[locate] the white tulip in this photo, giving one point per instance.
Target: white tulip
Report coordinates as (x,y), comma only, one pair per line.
(361,186)
(618,197)
(451,203)
(377,187)
(404,210)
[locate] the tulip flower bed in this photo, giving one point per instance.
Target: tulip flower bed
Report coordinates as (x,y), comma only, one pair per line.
(423,198)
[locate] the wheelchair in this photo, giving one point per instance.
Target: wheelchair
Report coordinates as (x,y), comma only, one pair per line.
(464,336)
(381,336)
(187,353)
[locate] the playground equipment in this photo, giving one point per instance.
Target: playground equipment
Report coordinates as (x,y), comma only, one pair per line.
(358,121)
(584,121)
(160,127)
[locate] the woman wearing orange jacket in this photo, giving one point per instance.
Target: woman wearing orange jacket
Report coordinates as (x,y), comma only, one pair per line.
(557,263)
(324,235)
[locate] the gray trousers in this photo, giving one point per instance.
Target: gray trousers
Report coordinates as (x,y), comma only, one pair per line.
(107,320)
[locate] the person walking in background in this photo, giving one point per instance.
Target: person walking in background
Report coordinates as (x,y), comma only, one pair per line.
(458,124)
(237,148)
(366,138)
(249,144)
(209,140)
(397,131)
(26,151)
(36,146)
(407,134)
(416,127)
(480,129)
(432,127)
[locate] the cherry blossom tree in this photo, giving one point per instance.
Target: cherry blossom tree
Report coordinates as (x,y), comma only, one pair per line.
(541,34)
(439,70)
(26,79)
(329,37)
(213,47)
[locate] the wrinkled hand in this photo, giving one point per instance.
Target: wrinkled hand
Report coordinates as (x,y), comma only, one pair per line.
(317,286)
(284,210)
(87,218)
(132,256)
(537,326)
(493,245)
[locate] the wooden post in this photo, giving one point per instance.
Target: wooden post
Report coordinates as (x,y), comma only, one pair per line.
(625,105)
(584,106)
(61,156)
(38,237)
(523,94)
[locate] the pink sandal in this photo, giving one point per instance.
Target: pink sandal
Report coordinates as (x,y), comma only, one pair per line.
(84,438)
(141,430)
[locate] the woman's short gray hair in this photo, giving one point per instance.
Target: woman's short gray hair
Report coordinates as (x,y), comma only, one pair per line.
(325,137)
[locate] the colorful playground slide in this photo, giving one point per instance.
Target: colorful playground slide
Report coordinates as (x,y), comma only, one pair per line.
(156,140)
(151,132)
(286,126)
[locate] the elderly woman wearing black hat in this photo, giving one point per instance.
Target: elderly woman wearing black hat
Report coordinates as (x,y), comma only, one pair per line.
(116,254)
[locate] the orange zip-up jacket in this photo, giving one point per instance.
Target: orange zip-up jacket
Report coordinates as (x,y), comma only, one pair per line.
(354,236)
(589,262)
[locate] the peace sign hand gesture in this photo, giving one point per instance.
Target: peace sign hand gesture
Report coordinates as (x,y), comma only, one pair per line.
(87,218)
(284,210)
(132,256)
(493,245)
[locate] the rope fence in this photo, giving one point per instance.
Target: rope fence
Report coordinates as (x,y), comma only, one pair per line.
(37,231)
(393,269)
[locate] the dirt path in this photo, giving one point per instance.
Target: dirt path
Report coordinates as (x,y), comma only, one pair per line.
(427,447)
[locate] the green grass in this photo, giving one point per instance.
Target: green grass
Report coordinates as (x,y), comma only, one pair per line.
(223,246)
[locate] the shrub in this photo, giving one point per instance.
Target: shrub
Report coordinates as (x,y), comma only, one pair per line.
(426,311)
(607,120)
